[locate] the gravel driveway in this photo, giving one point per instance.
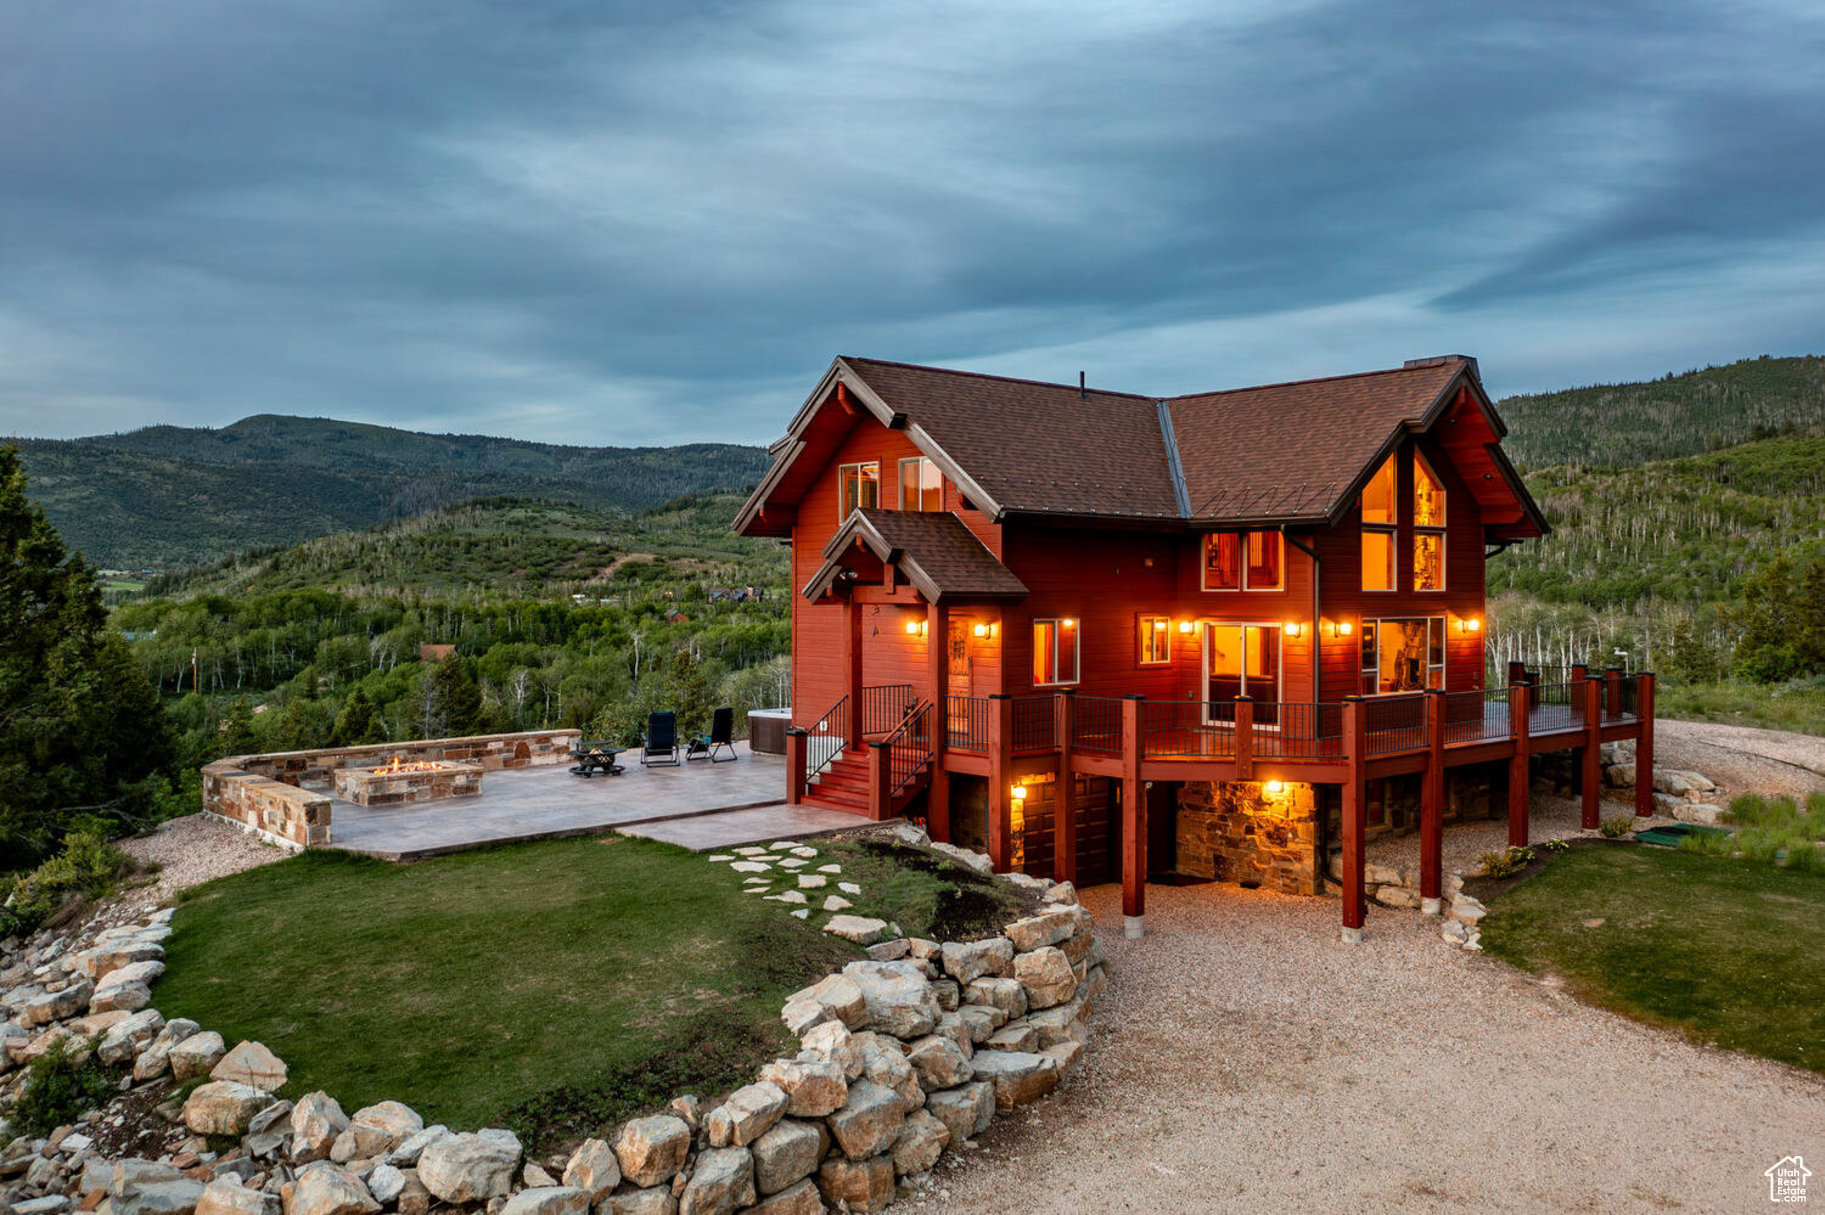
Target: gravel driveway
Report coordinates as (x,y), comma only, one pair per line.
(1245,1060)
(1743,759)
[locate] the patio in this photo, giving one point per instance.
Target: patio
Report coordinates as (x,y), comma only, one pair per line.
(698,805)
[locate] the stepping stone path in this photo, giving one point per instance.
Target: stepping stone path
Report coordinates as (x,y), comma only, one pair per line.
(722,856)
(811,881)
(837,902)
(752,851)
(807,853)
(784,845)
(791,862)
(764,866)
(849,888)
(803,913)
(750,866)
(790,896)
(830,869)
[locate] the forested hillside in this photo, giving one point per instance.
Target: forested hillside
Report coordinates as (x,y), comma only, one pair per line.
(167,497)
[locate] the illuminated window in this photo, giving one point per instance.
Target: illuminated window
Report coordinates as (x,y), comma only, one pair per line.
(1428,496)
(1378,529)
(1054,652)
(1156,640)
(1403,655)
(1428,561)
(1254,561)
(921,485)
(1377,559)
(1378,495)
(1428,528)
(858,485)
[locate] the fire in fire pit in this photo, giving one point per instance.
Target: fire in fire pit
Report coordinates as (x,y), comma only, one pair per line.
(399,783)
(399,765)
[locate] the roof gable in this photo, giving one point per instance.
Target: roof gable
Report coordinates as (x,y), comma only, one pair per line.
(936,552)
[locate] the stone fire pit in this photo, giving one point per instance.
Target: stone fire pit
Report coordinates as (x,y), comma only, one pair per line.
(399,783)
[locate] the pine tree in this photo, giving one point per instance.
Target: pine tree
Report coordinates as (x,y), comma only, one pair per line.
(358,723)
(238,736)
(455,699)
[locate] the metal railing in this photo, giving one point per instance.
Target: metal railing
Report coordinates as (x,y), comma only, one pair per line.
(1036,723)
(909,749)
(885,706)
(1302,730)
(1096,725)
(966,723)
(826,737)
(1480,716)
(1396,724)
(1631,696)
(1188,729)
(1555,706)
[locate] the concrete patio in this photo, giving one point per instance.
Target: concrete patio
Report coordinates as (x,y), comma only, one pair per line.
(698,805)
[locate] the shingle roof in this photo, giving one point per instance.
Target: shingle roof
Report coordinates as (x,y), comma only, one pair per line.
(935,551)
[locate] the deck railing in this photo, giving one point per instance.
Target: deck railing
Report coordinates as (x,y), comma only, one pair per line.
(1035,723)
(1629,700)
(966,723)
(1472,717)
(1556,706)
(1396,724)
(1304,730)
(1187,729)
(885,706)
(1096,725)
(909,750)
(826,737)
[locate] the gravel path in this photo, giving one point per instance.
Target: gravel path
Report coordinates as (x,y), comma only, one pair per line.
(193,850)
(1245,1060)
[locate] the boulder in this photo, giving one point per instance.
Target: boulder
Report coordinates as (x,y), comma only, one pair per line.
(1064,1054)
(195,1055)
(1018,1076)
(1015,1035)
(386,1183)
(377,1129)
(1681,783)
(102,959)
(788,1153)
(939,1062)
(470,1167)
(652,1150)
(316,1121)
(965,1111)
(227,1196)
(747,1115)
(1004,994)
(128,1036)
(252,1064)
(640,1202)
(884,1061)
(324,1189)
(900,1002)
(413,1146)
(800,1199)
(840,997)
(833,1042)
(863,1185)
(722,1181)
(269,1117)
(979,861)
(58,1005)
(177,1196)
(223,1107)
(1050,926)
(593,1168)
(813,1088)
(966,960)
(981,1020)
(1051,1024)
(548,1200)
(1047,976)
(869,1121)
(922,1140)
(1397,896)
(860,929)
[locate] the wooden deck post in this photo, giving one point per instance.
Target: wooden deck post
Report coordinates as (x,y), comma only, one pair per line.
(1520,782)
(1590,761)
(938,674)
(1517,673)
(1355,814)
(880,781)
(1644,746)
(1001,812)
(1064,800)
(1432,807)
(852,660)
(1579,673)
(1245,738)
(795,765)
(1134,823)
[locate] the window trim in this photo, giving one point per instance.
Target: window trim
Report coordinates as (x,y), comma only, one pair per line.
(1243,583)
(1141,622)
(1439,530)
(1077,646)
(842,487)
(921,508)
(1443,666)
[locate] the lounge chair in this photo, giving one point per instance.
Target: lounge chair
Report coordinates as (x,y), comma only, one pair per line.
(720,738)
(659,745)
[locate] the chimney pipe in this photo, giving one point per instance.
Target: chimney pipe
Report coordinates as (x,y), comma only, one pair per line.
(1082,395)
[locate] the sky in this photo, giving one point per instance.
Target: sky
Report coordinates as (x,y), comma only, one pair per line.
(603,223)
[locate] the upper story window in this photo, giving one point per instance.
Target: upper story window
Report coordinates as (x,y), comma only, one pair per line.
(1379,499)
(921,485)
(1156,640)
(858,485)
(1054,652)
(1428,528)
(1403,655)
(1244,561)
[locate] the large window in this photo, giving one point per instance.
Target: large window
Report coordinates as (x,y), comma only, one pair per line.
(1156,640)
(1378,529)
(921,485)
(1428,528)
(1244,561)
(1403,655)
(858,485)
(1054,652)
(1242,660)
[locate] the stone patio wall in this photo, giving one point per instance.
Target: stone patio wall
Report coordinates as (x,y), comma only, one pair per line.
(1233,831)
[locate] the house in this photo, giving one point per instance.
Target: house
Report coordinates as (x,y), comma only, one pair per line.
(1228,634)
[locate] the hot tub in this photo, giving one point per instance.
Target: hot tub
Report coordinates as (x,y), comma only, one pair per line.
(767,730)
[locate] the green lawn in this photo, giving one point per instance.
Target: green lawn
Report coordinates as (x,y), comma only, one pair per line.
(554,988)
(1730,950)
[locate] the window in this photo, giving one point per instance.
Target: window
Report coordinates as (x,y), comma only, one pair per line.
(1428,528)
(1156,640)
(1378,529)
(1243,660)
(1054,652)
(1403,655)
(1253,561)
(921,485)
(858,485)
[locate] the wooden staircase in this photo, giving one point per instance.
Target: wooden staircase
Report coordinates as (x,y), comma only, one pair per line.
(843,785)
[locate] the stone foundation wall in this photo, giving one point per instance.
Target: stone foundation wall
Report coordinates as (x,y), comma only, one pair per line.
(1233,831)
(285,814)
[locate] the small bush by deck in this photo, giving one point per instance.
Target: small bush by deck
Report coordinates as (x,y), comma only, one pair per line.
(554,988)
(1729,950)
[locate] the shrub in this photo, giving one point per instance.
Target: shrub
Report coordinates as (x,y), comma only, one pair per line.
(61,1086)
(1616,828)
(87,866)
(1556,846)
(1506,863)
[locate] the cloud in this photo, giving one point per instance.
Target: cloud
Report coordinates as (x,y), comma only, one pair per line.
(636,223)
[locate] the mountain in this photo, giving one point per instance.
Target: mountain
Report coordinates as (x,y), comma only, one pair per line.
(504,547)
(1676,415)
(169,496)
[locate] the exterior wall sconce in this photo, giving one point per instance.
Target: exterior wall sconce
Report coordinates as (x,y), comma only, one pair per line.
(1339,628)
(1293,628)
(915,628)
(1273,788)
(1069,622)
(1469,624)
(1019,793)
(1185,627)
(982,630)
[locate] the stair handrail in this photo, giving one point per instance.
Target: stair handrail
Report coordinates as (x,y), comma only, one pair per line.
(909,748)
(833,724)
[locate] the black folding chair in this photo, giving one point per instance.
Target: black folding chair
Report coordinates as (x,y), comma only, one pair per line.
(720,738)
(659,745)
